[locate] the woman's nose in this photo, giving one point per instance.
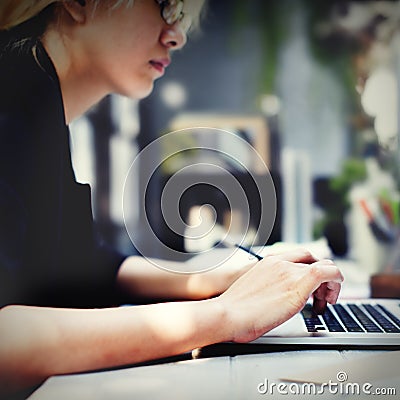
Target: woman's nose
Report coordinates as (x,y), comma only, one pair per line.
(173,37)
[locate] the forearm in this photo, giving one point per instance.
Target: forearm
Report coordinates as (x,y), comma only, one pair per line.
(141,277)
(38,342)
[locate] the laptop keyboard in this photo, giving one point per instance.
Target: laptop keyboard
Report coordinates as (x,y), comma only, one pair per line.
(353,318)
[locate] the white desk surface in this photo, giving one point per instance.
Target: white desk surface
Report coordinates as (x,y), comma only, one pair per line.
(213,378)
(227,377)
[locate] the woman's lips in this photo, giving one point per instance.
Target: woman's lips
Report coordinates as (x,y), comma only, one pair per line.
(160,65)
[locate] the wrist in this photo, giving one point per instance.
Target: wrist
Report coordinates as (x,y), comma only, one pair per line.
(222,325)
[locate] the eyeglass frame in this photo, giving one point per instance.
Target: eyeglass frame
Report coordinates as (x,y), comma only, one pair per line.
(163,6)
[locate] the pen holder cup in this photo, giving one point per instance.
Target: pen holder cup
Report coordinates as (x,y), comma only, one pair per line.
(371,254)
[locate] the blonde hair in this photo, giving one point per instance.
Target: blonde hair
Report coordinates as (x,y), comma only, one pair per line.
(13,13)
(16,12)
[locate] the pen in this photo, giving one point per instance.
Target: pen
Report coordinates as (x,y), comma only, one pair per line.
(382,234)
(249,251)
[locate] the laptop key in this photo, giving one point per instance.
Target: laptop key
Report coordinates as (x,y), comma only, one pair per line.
(347,320)
(364,320)
(389,314)
(311,319)
(386,325)
(331,322)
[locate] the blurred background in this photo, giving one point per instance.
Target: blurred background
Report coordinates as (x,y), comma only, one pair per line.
(313,86)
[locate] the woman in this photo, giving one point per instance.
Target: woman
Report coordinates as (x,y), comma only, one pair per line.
(58,58)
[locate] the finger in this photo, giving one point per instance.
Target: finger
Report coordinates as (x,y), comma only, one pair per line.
(319,306)
(327,293)
(319,275)
(329,278)
(299,255)
(319,299)
(333,292)
(325,271)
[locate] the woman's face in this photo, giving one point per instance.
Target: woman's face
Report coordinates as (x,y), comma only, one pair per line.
(129,47)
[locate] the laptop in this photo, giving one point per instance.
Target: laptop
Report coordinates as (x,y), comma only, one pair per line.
(371,322)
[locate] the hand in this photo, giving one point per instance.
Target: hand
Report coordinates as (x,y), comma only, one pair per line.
(274,290)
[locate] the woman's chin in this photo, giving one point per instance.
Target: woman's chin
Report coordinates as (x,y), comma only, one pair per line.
(139,93)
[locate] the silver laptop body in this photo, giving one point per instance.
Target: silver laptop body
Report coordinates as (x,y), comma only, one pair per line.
(368,322)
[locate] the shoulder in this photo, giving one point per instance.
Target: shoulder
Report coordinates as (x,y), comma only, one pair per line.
(26,87)
(30,98)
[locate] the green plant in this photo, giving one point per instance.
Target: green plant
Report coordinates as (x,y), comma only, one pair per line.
(353,171)
(272,19)
(331,224)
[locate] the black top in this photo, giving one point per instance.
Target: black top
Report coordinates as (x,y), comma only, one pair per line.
(49,251)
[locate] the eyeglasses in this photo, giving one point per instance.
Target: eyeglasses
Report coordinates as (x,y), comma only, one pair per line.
(171,10)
